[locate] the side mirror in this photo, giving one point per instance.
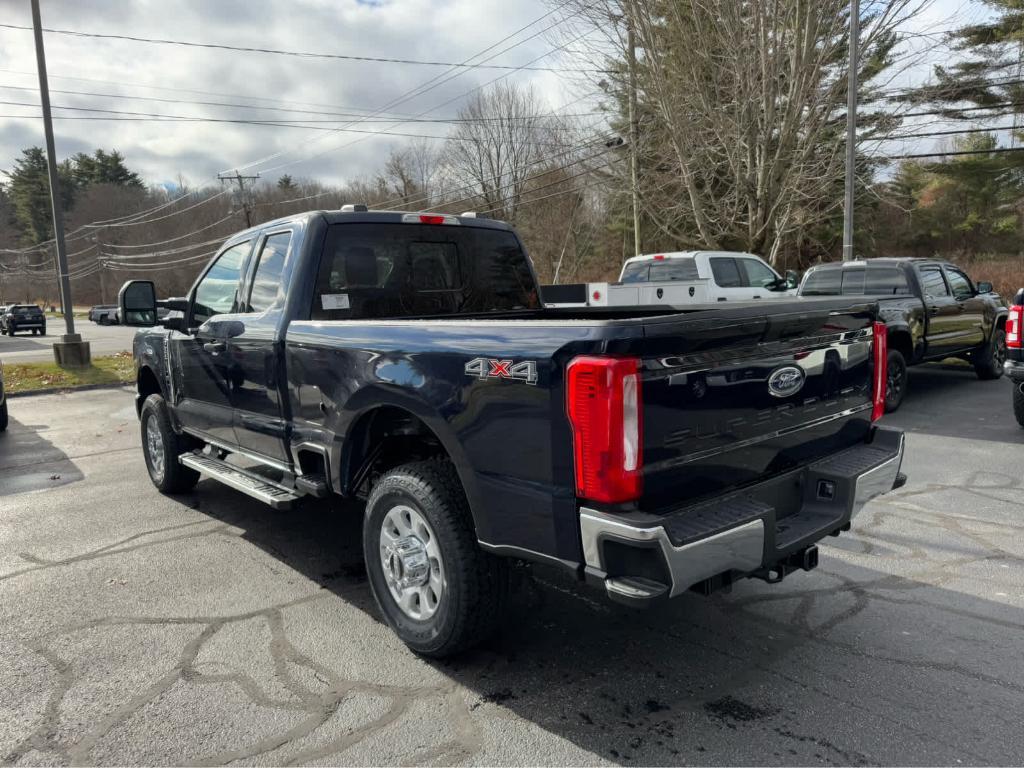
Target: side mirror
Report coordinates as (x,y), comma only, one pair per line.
(792,278)
(984,287)
(136,303)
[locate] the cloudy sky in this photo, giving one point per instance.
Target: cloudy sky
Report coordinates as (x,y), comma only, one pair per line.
(423,30)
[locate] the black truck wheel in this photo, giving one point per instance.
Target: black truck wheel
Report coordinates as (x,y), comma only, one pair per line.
(896,381)
(162,446)
(438,591)
(1018,401)
(989,364)
(3,416)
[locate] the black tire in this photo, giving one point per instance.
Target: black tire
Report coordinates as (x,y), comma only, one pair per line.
(896,384)
(42,331)
(3,416)
(990,363)
(104,320)
(1018,402)
(476,583)
(167,474)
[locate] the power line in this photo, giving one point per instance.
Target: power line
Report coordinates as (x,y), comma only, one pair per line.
(428,85)
(297,54)
(995,151)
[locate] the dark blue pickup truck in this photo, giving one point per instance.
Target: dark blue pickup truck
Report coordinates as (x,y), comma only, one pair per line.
(406,358)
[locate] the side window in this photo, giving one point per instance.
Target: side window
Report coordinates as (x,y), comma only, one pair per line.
(217,292)
(960,284)
(932,282)
(726,272)
(267,280)
(758,275)
(886,281)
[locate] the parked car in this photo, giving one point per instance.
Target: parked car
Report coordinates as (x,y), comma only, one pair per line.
(1015,353)
(404,358)
(104,314)
(3,402)
(23,317)
(932,309)
(679,279)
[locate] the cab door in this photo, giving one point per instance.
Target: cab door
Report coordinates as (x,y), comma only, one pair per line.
(204,369)
(942,333)
(256,353)
(970,322)
(730,279)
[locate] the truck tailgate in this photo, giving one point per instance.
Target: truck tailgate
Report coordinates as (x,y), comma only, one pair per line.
(730,400)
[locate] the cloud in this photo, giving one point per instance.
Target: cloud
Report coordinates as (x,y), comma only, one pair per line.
(449,30)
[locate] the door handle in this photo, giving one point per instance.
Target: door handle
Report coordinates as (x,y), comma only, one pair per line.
(933,311)
(214,347)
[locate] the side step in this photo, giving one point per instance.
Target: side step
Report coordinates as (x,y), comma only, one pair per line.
(250,483)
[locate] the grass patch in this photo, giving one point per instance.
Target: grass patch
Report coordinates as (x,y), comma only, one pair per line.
(29,377)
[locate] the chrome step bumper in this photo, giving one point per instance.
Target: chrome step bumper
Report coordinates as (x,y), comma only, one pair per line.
(249,483)
(739,534)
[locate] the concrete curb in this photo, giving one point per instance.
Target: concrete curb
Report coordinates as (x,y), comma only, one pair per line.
(68,390)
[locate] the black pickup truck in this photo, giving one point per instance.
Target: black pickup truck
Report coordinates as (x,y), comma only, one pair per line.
(406,358)
(932,309)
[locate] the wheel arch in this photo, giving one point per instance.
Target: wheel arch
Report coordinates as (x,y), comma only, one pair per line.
(394,429)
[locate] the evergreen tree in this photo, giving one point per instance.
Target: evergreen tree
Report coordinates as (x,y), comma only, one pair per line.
(285,182)
(29,192)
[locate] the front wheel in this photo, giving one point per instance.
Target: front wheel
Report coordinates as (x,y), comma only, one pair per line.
(3,416)
(1018,401)
(438,591)
(896,380)
(990,364)
(162,446)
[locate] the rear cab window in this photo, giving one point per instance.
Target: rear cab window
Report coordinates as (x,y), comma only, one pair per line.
(379,271)
(663,270)
(932,282)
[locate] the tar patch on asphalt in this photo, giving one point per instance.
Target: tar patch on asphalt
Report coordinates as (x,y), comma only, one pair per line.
(728,708)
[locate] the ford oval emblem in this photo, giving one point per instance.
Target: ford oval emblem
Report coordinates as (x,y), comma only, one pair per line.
(786,381)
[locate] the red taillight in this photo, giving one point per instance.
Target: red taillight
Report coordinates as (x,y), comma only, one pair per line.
(1013,327)
(605,410)
(881,370)
(660,257)
(431,219)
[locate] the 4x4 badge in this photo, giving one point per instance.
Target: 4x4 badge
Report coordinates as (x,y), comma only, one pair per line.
(488,368)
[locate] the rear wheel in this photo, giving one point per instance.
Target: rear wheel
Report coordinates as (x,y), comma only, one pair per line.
(896,381)
(438,591)
(162,446)
(3,416)
(990,363)
(1018,401)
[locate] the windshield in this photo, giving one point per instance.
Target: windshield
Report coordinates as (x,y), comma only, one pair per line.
(684,268)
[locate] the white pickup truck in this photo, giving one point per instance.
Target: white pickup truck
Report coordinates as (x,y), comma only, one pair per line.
(680,278)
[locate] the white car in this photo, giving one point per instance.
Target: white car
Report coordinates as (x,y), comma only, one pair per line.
(680,278)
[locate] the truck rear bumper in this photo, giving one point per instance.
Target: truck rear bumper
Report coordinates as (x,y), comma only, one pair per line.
(1014,369)
(745,534)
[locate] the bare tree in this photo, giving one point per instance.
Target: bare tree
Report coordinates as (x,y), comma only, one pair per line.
(741,106)
(499,145)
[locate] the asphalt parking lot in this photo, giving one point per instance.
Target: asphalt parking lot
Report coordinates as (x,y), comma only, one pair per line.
(103,340)
(206,629)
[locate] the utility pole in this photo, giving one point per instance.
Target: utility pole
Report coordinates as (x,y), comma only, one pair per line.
(70,350)
(633,132)
(851,129)
(243,196)
(100,266)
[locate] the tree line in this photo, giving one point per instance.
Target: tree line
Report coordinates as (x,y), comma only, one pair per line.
(734,114)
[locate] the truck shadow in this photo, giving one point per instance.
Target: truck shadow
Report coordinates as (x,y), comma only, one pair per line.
(827,667)
(950,401)
(30,462)
(24,343)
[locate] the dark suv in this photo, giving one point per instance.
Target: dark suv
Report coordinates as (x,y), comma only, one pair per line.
(23,317)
